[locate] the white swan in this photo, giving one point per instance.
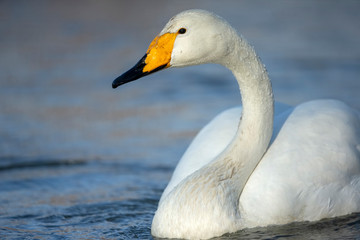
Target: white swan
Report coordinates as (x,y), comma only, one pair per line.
(303,166)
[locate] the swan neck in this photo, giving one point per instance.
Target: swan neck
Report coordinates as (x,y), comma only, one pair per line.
(256,123)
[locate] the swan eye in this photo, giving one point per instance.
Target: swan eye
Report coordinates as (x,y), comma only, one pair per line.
(182,30)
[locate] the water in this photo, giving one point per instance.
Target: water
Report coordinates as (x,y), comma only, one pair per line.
(79,160)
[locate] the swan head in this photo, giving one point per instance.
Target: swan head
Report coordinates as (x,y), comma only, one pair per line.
(190,38)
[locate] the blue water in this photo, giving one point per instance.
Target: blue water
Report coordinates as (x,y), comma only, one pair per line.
(79,160)
(89,200)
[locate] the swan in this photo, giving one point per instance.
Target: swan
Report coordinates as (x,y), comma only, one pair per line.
(252,165)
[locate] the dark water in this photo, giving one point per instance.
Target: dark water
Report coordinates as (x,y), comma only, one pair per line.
(79,160)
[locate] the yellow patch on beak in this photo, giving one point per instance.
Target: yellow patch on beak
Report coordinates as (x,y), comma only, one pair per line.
(159,52)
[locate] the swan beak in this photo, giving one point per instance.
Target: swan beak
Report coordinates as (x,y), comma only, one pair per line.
(157,57)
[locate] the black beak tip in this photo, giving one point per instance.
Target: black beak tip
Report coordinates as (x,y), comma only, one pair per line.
(135,73)
(114,85)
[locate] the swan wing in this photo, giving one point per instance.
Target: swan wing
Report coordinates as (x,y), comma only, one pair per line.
(310,170)
(209,143)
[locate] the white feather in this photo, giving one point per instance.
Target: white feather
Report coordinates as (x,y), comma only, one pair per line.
(246,170)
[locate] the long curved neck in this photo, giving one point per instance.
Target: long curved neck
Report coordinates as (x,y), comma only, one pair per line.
(211,194)
(256,124)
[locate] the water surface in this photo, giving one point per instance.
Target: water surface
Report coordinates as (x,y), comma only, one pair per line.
(79,160)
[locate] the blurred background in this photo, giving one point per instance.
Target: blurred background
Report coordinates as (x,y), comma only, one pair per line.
(70,144)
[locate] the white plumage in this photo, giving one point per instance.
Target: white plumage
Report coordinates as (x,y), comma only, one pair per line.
(250,167)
